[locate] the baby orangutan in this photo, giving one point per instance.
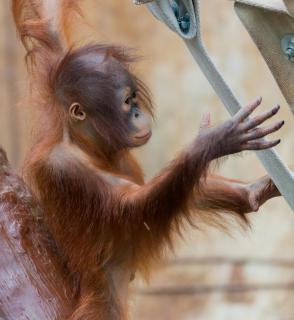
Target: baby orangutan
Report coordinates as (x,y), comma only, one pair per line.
(106,220)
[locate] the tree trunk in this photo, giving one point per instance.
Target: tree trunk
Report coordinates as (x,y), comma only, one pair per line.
(33,281)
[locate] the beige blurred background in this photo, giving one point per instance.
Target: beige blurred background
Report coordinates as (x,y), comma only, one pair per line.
(245,276)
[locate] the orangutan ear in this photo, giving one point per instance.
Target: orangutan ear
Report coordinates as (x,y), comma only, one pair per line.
(76,112)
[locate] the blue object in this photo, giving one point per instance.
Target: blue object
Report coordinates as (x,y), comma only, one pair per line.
(288,46)
(176,9)
(184,21)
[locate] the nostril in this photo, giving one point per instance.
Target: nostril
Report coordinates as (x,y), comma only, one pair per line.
(137,115)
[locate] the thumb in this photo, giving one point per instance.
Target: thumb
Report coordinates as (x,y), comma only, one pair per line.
(205,120)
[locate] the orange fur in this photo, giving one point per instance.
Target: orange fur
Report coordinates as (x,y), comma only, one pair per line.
(106,221)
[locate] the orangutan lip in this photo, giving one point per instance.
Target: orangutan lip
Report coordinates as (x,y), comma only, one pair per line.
(145,136)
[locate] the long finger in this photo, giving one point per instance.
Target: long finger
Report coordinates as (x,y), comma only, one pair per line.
(246,111)
(260,144)
(256,121)
(262,132)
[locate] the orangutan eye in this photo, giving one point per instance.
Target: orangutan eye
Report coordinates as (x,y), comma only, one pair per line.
(134,96)
(128,100)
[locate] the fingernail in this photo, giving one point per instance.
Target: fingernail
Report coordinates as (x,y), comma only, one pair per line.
(259,99)
(276,109)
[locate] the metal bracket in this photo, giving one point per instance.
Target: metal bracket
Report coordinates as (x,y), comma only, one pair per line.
(287,44)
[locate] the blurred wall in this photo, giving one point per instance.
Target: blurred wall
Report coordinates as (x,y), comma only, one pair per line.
(261,260)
